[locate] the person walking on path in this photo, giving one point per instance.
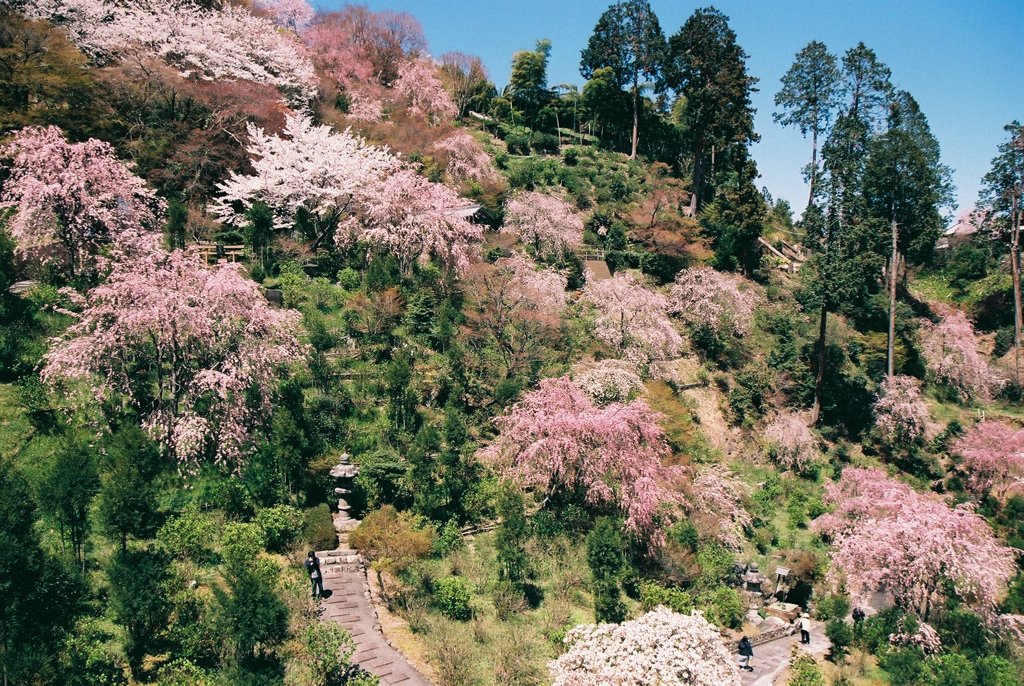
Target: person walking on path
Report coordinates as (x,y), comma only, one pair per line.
(746,651)
(805,628)
(858,615)
(316,578)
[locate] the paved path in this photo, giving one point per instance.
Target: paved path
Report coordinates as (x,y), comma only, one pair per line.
(771,659)
(348,604)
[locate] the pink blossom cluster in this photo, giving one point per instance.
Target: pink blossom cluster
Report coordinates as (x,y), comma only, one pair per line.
(422,91)
(223,44)
(467,160)
(924,637)
(886,535)
(365,106)
(609,381)
(790,443)
(77,195)
(901,414)
(289,14)
(702,296)
(659,648)
(412,218)
(951,352)
(194,349)
(556,438)
(551,225)
(632,319)
(717,494)
(993,458)
(539,289)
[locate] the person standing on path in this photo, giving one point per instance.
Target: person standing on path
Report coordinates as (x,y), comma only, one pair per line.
(316,578)
(746,651)
(805,628)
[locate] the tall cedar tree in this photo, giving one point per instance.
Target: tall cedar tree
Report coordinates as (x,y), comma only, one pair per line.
(528,84)
(1001,200)
(842,271)
(809,98)
(904,187)
(629,40)
(707,69)
(604,557)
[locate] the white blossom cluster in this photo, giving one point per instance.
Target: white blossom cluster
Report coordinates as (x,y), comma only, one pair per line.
(609,381)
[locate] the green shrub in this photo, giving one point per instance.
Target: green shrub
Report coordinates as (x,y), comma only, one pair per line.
(318,528)
(349,279)
(518,144)
(951,669)
(806,672)
(449,539)
(676,599)
(722,606)
(452,596)
(281,524)
(993,670)
(841,635)
(189,536)
(903,666)
(241,543)
(181,672)
(835,606)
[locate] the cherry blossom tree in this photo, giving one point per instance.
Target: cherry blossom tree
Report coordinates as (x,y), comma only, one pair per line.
(716,501)
(922,636)
(632,319)
(77,195)
(790,443)
(659,648)
(542,290)
(704,297)
(550,225)
(886,535)
(220,44)
(951,352)
(194,350)
(467,160)
(423,92)
(556,438)
(609,381)
(901,415)
(290,14)
(308,166)
(993,458)
(413,219)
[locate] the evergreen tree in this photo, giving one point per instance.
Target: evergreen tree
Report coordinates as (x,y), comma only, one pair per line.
(259,230)
(605,559)
(708,71)
(528,84)
(628,40)
(809,98)
(128,494)
(70,482)
(137,579)
(177,220)
(736,218)
(511,537)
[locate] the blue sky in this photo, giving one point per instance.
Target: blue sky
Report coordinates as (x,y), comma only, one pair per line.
(961,60)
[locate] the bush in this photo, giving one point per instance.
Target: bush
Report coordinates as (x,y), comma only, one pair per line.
(281,525)
(449,539)
(722,606)
(241,543)
(518,144)
(903,666)
(318,528)
(349,279)
(952,669)
(806,672)
(189,536)
(653,594)
(835,606)
(995,671)
(841,635)
(452,597)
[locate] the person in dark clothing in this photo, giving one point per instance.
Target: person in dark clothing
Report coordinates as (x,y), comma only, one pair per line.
(746,651)
(858,615)
(315,576)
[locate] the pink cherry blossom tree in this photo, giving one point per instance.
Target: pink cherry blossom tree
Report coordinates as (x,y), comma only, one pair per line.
(609,381)
(308,166)
(422,91)
(467,160)
(659,648)
(886,535)
(194,350)
(993,458)
(716,501)
(704,297)
(537,288)
(951,351)
(413,219)
(632,319)
(556,438)
(922,636)
(76,195)
(550,225)
(790,443)
(220,44)
(901,414)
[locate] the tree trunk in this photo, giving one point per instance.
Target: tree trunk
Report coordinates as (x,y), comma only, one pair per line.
(814,166)
(819,378)
(636,119)
(894,266)
(698,179)
(1015,270)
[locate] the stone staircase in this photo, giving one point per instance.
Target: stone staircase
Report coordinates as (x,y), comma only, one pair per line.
(349,602)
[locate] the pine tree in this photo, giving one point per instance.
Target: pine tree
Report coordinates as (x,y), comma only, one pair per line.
(605,559)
